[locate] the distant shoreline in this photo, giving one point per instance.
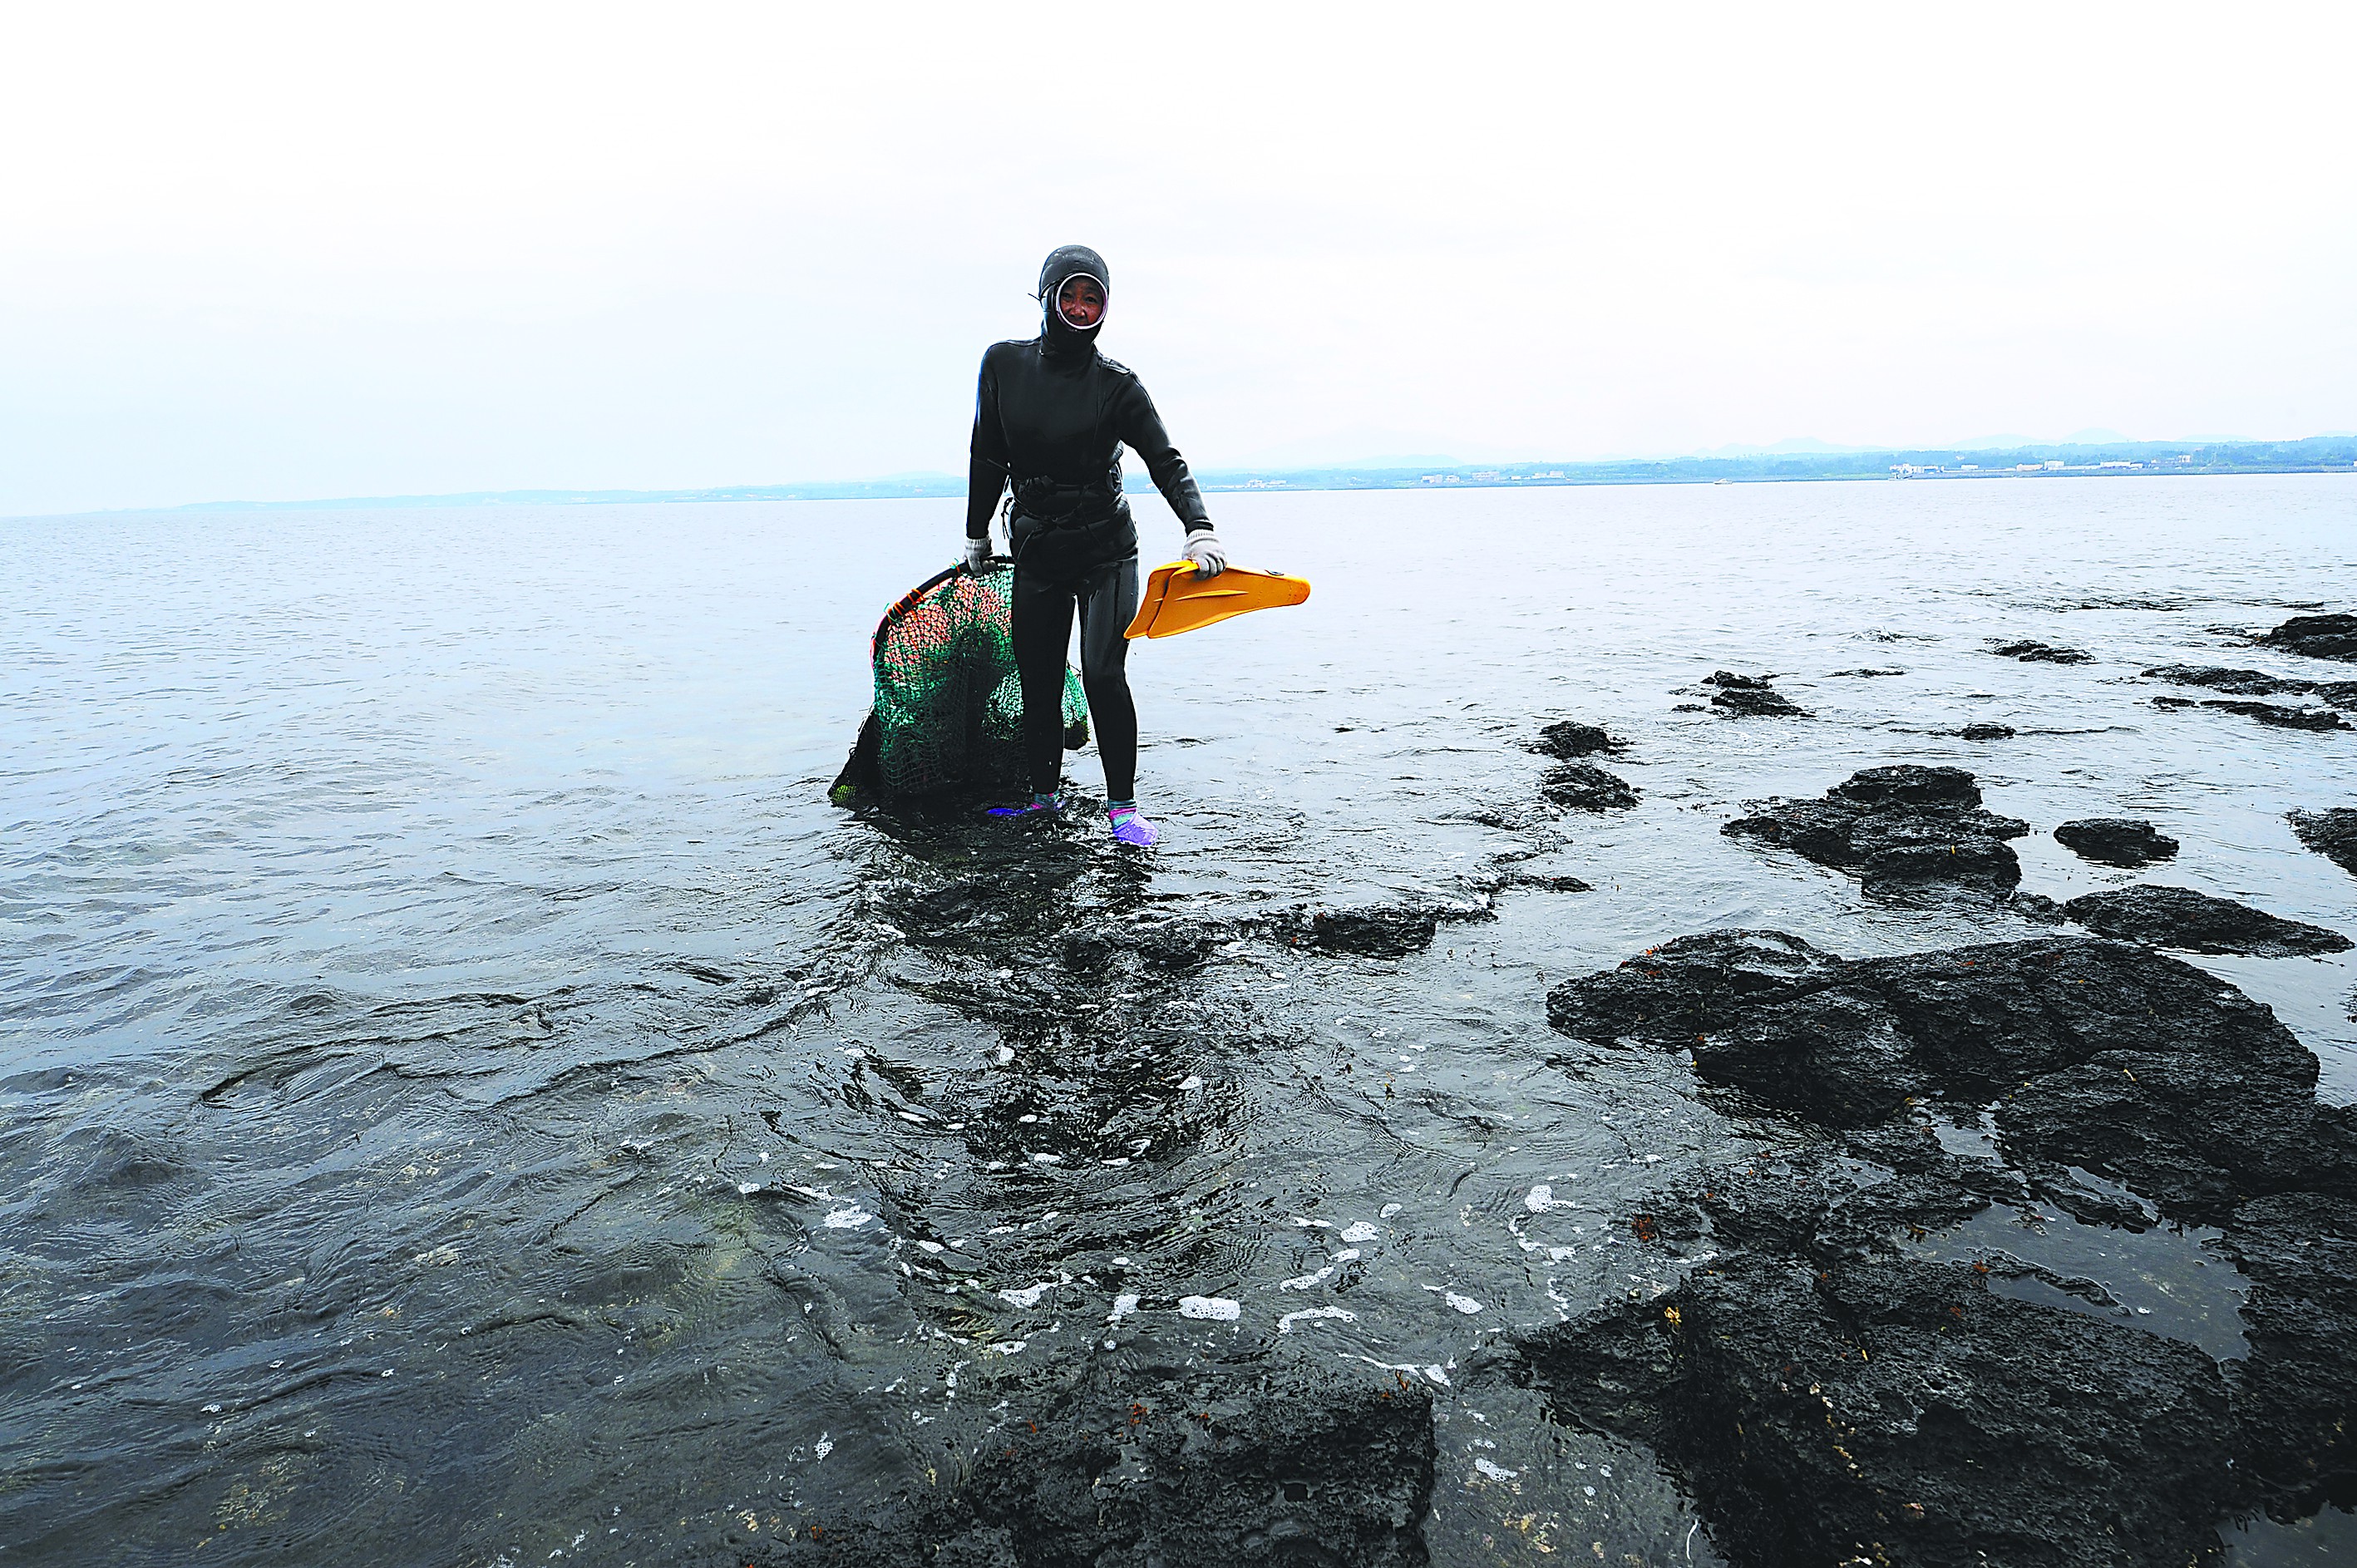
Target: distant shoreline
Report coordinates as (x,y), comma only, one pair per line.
(2318,454)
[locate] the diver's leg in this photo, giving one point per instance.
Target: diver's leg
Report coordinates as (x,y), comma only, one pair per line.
(1041,628)
(1108,601)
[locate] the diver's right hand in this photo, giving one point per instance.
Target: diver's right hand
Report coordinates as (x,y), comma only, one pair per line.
(977,552)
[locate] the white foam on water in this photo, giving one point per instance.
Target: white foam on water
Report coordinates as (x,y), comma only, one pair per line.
(1211,1308)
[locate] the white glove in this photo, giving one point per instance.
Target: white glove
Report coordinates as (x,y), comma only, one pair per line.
(1204,549)
(977,550)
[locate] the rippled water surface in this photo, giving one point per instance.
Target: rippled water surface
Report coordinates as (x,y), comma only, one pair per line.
(465,1097)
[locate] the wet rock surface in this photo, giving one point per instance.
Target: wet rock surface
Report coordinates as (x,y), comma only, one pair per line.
(2115,841)
(1370,931)
(2197,922)
(1834,1391)
(1188,1471)
(1896,828)
(2275,715)
(2041,653)
(1986,732)
(2316,637)
(1751,696)
(2330,833)
(1568,740)
(1584,787)
(2255,682)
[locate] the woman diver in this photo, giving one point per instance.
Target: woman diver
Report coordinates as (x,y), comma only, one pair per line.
(1050,418)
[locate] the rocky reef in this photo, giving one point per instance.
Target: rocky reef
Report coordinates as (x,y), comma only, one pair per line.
(2197,922)
(2330,833)
(1568,740)
(2115,841)
(1986,732)
(1204,1471)
(1838,1387)
(2272,714)
(2254,683)
(1751,696)
(2316,637)
(2041,653)
(1584,787)
(1895,829)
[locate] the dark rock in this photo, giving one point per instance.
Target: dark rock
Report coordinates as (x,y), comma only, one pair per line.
(1833,1395)
(2041,653)
(1897,827)
(1375,931)
(2330,833)
(2240,682)
(1751,696)
(1668,994)
(2296,1390)
(2036,907)
(1828,1410)
(2317,637)
(1986,732)
(1568,739)
(2107,1056)
(2274,714)
(2196,923)
(1584,787)
(2115,841)
(1289,1470)
(1545,882)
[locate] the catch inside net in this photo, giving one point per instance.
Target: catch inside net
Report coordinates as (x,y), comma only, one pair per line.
(948,715)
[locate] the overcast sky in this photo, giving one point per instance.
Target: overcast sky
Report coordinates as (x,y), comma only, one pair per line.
(276,252)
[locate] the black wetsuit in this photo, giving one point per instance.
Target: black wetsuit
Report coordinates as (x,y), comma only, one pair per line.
(1050,418)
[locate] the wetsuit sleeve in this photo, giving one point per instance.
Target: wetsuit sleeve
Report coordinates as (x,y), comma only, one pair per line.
(985,470)
(1141,431)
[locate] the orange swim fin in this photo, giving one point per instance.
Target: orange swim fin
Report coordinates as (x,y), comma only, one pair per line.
(1176,600)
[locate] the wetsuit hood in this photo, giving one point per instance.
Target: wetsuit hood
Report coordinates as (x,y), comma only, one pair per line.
(1057,335)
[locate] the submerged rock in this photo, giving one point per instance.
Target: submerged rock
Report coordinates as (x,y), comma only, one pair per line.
(1751,696)
(2041,653)
(1568,739)
(1986,732)
(2274,714)
(2331,833)
(1584,786)
(1896,827)
(2196,923)
(1279,1469)
(2317,637)
(2115,841)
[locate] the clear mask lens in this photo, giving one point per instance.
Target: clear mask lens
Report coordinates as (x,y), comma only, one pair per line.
(1080,301)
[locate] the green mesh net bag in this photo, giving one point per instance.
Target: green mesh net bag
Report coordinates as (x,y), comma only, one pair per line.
(948,707)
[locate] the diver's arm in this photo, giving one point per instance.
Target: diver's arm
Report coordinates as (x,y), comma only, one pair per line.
(1141,430)
(985,470)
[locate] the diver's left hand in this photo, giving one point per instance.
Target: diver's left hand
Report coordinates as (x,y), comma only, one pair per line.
(1204,549)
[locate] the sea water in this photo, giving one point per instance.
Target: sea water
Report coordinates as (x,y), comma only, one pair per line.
(466,1096)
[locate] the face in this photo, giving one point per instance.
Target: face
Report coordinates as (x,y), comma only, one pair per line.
(1080,301)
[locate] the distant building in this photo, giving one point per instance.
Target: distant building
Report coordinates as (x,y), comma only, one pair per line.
(2057,463)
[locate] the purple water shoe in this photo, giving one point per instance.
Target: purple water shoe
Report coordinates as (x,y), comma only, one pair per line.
(1130,826)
